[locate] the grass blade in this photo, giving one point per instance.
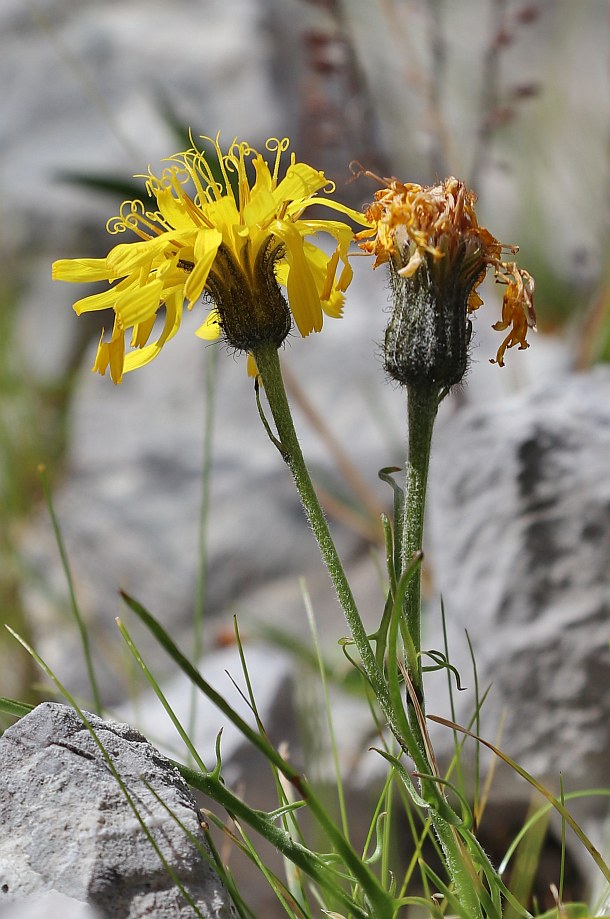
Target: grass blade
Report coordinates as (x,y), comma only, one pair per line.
(559,807)
(80,623)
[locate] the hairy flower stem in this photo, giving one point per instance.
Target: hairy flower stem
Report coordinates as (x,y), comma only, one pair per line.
(422,406)
(268,363)
(422,402)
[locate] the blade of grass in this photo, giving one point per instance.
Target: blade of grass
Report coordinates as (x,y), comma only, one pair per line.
(387,867)
(285,790)
(329,719)
(370,884)
(540,813)
(80,622)
(526,863)
(12,707)
(591,849)
(310,862)
(477,807)
(298,908)
(562,865)
(175,721)
(184,735)
(211,817)
(210,856)
(245,846)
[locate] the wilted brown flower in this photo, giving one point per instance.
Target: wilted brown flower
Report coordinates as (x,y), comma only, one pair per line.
(434,229)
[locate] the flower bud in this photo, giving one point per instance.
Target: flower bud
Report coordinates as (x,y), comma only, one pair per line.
(427,337)
(438,256)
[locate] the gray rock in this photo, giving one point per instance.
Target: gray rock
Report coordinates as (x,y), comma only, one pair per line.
(520,540)
(67,825)
(51,905)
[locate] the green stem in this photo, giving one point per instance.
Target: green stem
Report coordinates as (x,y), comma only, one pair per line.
(268,363)
(422,407)
(309,862)
(267,360)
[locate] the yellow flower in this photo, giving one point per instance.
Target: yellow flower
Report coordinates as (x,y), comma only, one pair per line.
(229,226)
(436,227)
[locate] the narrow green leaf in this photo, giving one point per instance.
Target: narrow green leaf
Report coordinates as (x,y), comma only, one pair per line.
(17,709)
(591,849)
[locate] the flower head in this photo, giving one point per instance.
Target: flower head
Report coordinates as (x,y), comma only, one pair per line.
(432,240)
(229,226)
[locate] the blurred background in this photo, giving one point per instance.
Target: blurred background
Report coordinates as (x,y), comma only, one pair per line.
(512,96)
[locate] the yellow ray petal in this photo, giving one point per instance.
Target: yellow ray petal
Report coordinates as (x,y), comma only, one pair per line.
(142,332)
(128,257)
(251,365)
(206,247)
(81,269)
(116,357)
(102,301)
(333,306)
(356,216)
(302,291)
(173,318)
(299,183)
(138,304)
(210,330)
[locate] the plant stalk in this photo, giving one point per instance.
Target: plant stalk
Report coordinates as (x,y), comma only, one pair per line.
(422,411)
(422,406)
(268,363)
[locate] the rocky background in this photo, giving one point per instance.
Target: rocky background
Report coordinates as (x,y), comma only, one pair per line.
(512,96)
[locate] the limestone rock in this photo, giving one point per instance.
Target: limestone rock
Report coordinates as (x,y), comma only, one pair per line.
(51,905)
(520,540)
(520,533)
(68,827)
